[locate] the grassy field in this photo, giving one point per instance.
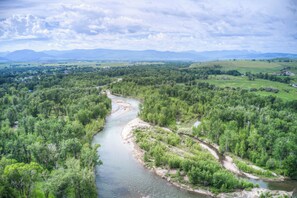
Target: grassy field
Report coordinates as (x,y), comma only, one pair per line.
(286,91)
(250,66)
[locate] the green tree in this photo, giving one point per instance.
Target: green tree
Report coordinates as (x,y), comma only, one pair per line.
(22,177)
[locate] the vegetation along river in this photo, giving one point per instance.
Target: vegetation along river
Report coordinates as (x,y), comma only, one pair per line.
(121,175)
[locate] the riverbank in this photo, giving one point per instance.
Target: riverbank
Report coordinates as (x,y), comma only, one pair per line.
(127,135)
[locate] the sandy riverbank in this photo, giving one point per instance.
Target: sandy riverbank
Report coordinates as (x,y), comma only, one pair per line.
(122,106)
(134,124)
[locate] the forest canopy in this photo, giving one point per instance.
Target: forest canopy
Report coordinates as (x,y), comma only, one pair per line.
(48,119)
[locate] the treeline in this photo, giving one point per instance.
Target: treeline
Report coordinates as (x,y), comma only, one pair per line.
(266,76)
(47,123)
(261,129)
(168,73)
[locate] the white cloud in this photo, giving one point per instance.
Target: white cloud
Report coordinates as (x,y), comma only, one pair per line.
(268,25)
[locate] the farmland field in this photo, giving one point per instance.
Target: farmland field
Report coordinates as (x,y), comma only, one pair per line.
(286,91)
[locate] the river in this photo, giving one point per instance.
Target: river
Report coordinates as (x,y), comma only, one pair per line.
(121,175)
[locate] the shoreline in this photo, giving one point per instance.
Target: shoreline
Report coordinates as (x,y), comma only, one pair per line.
(138,153)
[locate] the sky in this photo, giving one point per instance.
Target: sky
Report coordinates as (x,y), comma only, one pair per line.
(166,25)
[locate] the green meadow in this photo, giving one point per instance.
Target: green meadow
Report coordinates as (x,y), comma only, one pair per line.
(286,91)
(257,66)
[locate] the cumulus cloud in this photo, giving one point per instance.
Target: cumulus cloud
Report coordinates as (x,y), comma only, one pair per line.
(268,25)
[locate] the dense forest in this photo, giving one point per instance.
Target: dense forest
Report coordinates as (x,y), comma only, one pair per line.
(48,118)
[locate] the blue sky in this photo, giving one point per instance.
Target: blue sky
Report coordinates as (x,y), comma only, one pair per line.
(174,25)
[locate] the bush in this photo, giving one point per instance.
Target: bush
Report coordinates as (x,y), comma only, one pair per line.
(174,162)
(173,139)
(224,180)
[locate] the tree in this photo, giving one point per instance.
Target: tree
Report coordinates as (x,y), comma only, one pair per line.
(83,116)
(89,156)
(70,148)
(22,177)
(11,116)
(44,154)
(75,179)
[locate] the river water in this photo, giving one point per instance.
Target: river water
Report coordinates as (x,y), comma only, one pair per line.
(121,175)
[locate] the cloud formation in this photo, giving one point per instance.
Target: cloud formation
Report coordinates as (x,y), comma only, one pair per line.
(175,25)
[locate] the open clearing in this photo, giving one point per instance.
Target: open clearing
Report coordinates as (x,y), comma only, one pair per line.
(250,66)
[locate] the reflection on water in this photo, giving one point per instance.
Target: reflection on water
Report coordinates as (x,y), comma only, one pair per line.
(287,185)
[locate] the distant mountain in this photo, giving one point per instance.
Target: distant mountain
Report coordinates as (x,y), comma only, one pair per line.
(274,55)
(108,54)
(2,54)
(27,55)
(132,55)
(3,60)
(243,54)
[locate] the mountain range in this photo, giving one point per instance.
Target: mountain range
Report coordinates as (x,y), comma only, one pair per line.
(133,55)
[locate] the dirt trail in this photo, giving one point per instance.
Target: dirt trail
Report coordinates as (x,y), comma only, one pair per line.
(226,161)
